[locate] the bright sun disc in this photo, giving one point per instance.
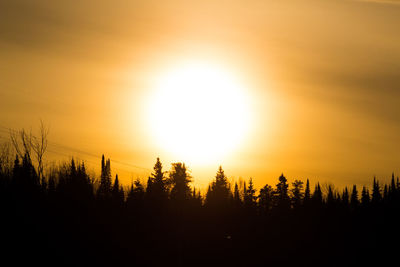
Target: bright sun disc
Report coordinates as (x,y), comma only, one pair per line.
(198,112)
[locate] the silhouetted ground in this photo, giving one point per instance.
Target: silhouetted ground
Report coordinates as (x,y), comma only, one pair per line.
(70,223)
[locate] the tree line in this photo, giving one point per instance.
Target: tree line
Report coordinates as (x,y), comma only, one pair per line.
(66,215)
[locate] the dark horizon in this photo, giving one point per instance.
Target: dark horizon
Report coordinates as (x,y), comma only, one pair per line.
(71,218)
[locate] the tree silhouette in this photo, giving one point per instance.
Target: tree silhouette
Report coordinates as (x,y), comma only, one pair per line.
(104,190)
(297,193)
(180,180)
(282,193)
(354,197)
(376,192)
(365,199)
(237,201)
(135,197)
(385,192)
(250,198)
(218,194)
(307,193)
(330,199)
(345,197)
(117,192)
(63,218)
(156,192)
(317,196)
(266,198)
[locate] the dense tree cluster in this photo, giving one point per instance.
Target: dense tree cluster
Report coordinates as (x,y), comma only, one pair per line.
(67,216)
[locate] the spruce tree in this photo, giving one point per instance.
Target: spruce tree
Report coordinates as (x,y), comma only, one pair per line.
(266,198)
(392,188)
(104,190)
(219,190)
(236,196)
(307,193)
(365,199)
(135,197)
(117,192)
(297,193)
(250,198)
(385,193)
(156,186)
(282,193)
(330,199)
(345,197)
(354,197)
(180,180)
(317,196)
(376,192)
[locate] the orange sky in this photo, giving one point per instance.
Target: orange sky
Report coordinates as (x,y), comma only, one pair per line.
(324,76)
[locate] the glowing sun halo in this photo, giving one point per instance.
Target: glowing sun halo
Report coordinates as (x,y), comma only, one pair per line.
(198,112)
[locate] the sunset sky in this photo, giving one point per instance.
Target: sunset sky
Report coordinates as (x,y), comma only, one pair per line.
(320,80)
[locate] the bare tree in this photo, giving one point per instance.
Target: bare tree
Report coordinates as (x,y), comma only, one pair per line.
(39,146)
(6,160)
(25,144)
(22,142)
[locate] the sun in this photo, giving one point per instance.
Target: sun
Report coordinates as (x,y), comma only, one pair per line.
(198,112)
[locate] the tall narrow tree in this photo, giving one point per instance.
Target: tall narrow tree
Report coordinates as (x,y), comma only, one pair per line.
(250,198)
(219,193)
(376,192)
(365,198)
(354,197)
(297,193)
(180,180)
(104,190)
(307,193)
(282,193)
(266,198)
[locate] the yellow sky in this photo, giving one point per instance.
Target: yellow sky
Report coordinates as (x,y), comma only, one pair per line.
(324,76)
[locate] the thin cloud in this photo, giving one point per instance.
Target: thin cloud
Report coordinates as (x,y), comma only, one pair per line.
(388,2)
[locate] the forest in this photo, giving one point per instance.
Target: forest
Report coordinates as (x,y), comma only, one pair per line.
(64,216)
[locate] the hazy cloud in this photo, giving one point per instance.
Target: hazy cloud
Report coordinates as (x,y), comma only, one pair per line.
(389,2)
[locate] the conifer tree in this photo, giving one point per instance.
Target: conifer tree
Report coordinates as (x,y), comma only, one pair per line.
(385,192)
(392,188)
(196,197)
(317,195)
(282,194)
(330,199)
(297,193)
(397,184)
(365,199)
(135,197)
(354,197)
(156,192)
(266,198)
(236,196)
(376,192)
(250,198)
(117,192)
(219,190)
(104,190)
(345,197)
(180,180)
(244,190)
(307,193)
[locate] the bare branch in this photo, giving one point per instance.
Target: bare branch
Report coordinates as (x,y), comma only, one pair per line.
(25,142)
(14,136)
(39,146)
(6,160)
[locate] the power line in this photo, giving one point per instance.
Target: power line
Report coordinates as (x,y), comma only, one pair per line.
(8,130)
